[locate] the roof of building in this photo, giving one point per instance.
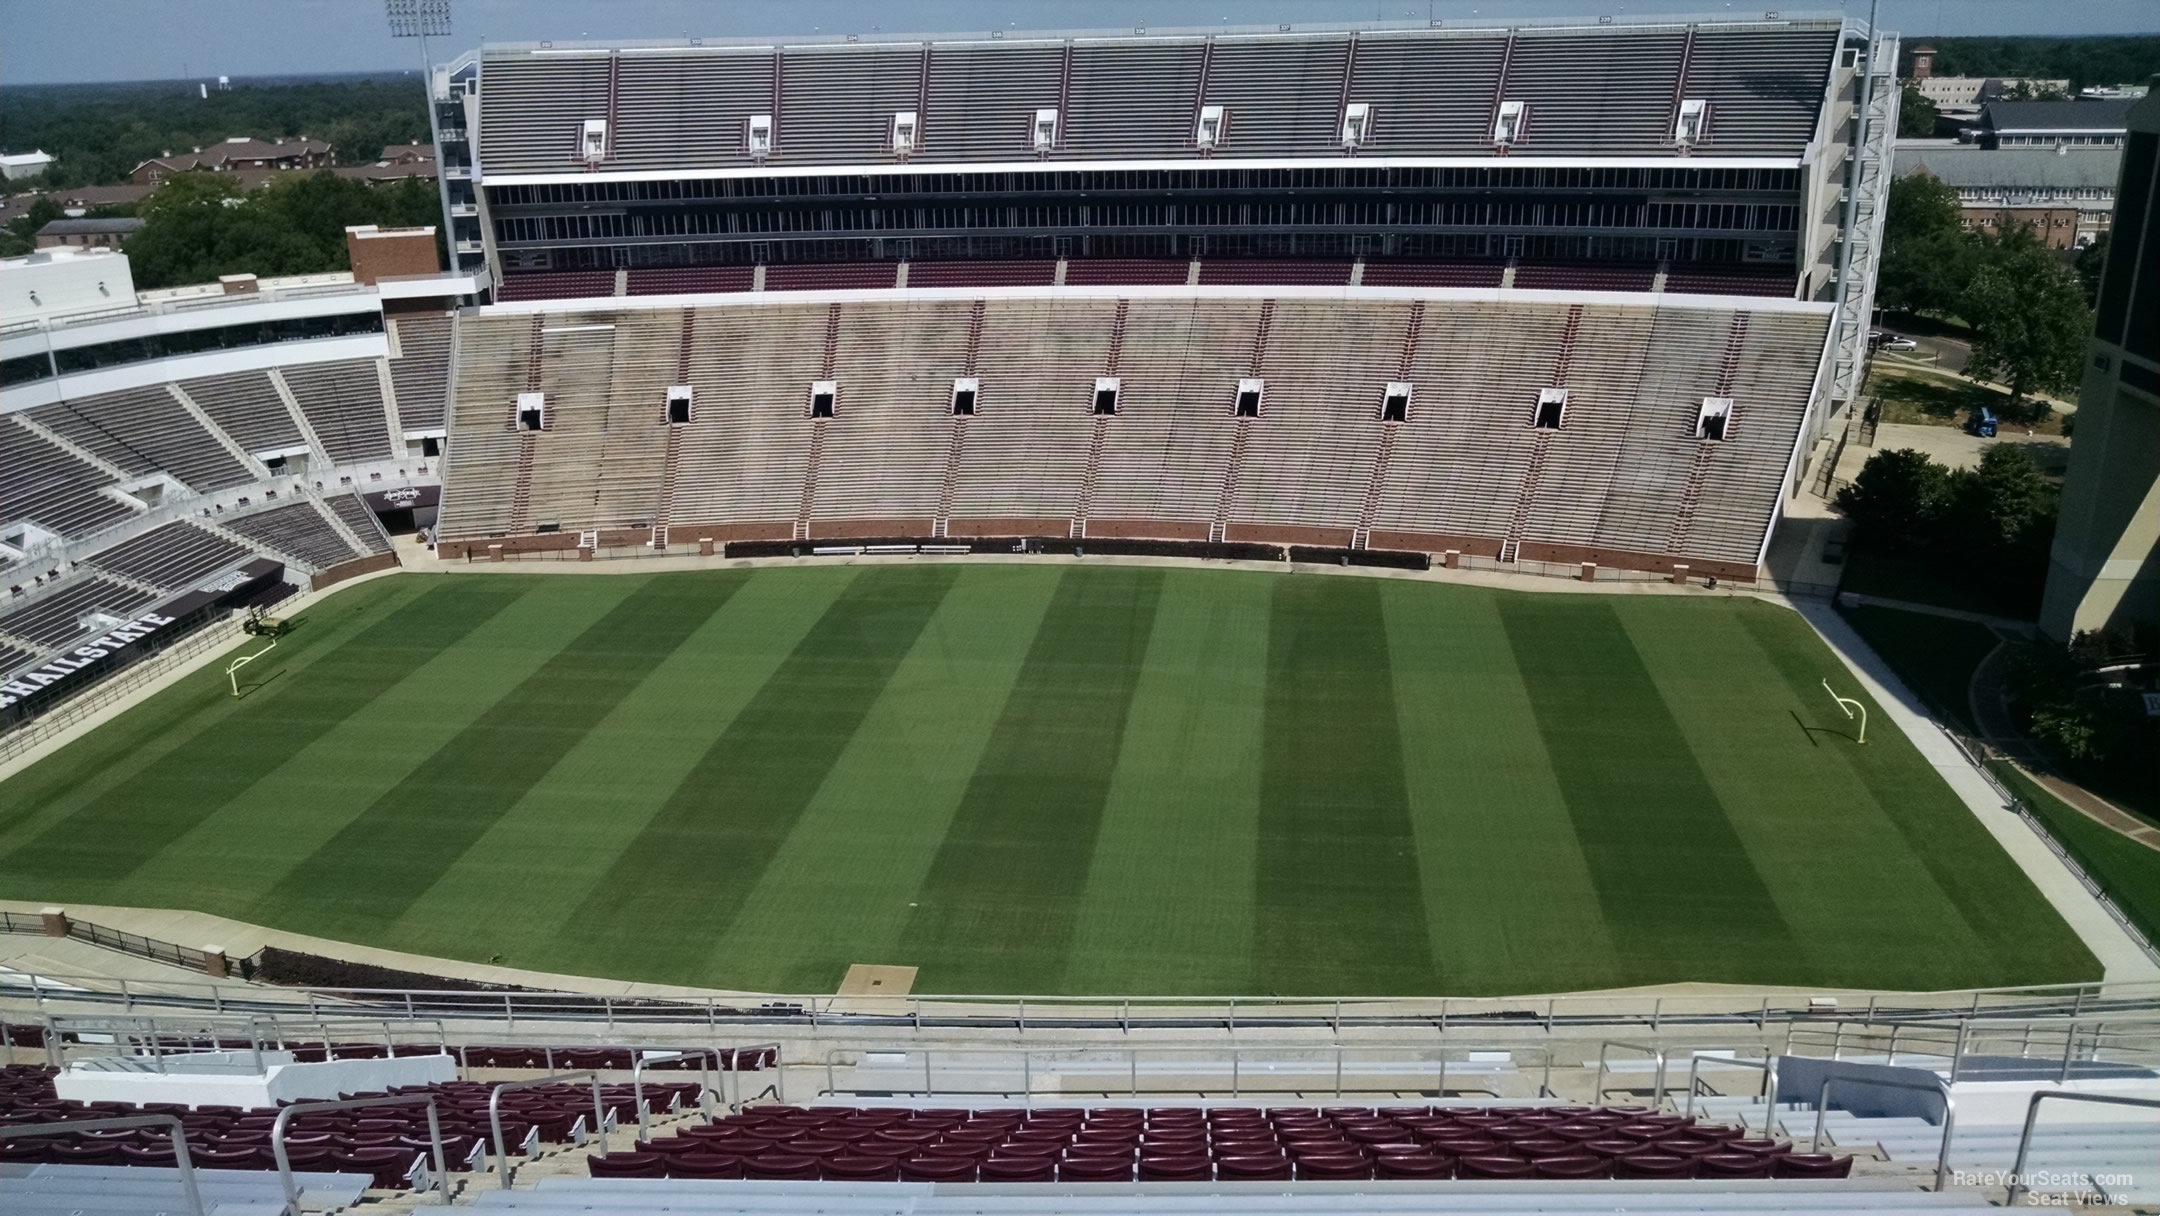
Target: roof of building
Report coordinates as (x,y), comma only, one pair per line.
(1589,91)
(117,225)
(394,151)
(241,147)
(101,196)
(26,158)
(1971,168)
(2098,114)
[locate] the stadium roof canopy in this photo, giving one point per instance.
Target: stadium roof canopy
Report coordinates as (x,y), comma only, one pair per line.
(1582,93)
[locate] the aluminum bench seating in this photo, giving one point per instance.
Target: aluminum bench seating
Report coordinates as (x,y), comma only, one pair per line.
(343,403)
(420,375)
(298,530)
(55,618)
(360,520)
(170,557)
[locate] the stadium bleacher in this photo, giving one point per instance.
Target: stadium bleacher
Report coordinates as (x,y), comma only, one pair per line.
(1220,1143)
(57,618)
(49,486)
(1625,480)
(420,375)
(343,405)
(247,407)
(295,530)
(170,557)
(1608,90)
(142,431)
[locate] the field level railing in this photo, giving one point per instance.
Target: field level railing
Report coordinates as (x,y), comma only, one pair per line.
(2057,1047)
(1234,1070)
(813,1015)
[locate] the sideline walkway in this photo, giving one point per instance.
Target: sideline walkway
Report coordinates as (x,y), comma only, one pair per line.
(2121,959)
(1990,697)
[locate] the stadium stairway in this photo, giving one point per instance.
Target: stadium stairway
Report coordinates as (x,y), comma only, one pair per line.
(2113,1160)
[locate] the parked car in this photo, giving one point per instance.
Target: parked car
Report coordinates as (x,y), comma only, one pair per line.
(1897,342)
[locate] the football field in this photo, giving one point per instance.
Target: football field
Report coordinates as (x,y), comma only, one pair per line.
(1044,778)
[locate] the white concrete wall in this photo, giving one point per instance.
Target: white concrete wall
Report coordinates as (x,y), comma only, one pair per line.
(283,1081)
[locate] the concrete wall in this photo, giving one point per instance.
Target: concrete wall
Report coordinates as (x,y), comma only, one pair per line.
(283,1081)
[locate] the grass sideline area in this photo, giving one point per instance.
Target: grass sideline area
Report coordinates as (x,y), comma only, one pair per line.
(2128,871)
(1934,655)
(1048,779)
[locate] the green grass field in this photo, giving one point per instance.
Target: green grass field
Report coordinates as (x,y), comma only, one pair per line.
(1047,779)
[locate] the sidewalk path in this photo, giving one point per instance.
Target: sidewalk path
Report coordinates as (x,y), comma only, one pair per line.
(2120,958)
(1989,694)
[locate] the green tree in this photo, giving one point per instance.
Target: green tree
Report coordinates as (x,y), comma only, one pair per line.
(2091,260)
(1896,501)
(1915,116)
(1927,257)
(199,226)
(2029,317)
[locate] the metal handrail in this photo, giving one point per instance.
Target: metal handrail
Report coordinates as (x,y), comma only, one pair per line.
(1767,1066)
(502,1156)
(1939,1088)
(1236,1054)
(171,1123)
(705,1089)
(2032,1115)
(1657,1096)
(284,1119)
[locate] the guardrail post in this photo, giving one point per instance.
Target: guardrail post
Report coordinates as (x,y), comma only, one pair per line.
(190,1193)
(1338,1071)
(1027,1083)
(2032,1115)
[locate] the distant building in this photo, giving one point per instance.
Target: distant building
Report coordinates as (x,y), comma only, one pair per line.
(24,164)
(2067,196)
(84,198)
(2104,568)
(405,154)
(2054,124)
(238,153)
(1968,92)
(88,233)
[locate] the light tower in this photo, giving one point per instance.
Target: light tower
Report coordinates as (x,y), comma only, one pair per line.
(419,19)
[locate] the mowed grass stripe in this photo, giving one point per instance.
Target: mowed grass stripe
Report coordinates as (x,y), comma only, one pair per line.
(566,831)
(1681,895)
(134,821)
(838,890)
(398,847)
(234,858)
(1169,900)
(704,851)
(2022,939)
(997,910)
(172,719)
(1835,879)
(1340,906)
(1485,806)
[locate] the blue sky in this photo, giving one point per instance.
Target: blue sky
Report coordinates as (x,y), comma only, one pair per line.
(56,41)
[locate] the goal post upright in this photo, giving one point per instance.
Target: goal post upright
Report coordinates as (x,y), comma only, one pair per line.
(1851,707)
(232,669)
